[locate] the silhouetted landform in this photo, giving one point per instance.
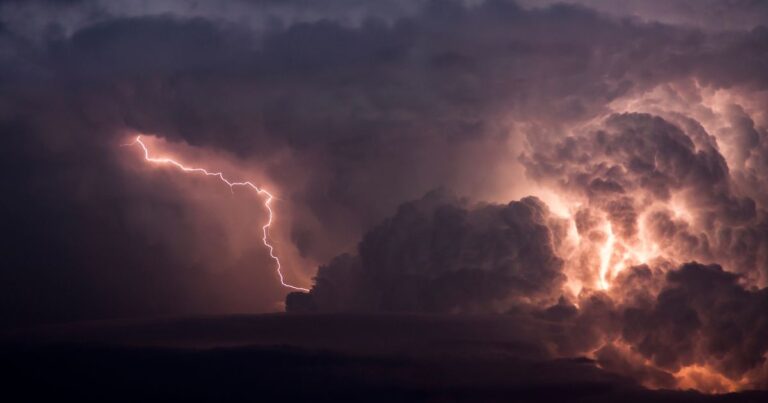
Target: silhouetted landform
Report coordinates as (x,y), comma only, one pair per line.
(316,358)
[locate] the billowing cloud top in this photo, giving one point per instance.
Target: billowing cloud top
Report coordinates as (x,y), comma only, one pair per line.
(610,163)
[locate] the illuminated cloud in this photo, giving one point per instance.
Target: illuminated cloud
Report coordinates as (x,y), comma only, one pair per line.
(610,165)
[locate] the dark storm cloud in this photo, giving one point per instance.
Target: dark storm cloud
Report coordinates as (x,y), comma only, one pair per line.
(369,113)
(702,316)
(702,14)
(439,255)
(692,315)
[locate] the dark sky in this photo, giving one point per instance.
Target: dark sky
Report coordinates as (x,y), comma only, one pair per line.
(599,164)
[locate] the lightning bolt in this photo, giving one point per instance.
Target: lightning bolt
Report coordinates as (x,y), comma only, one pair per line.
(262,192)
(606,253)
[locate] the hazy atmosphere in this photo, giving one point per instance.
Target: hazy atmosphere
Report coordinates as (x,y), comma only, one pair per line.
(588,179)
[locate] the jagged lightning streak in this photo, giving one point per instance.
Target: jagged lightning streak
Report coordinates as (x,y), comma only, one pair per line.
(232,185)
(606,253)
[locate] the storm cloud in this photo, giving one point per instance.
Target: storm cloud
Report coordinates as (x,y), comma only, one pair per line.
(601,169)
(438,255)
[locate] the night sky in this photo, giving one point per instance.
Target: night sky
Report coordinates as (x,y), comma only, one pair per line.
(569,193)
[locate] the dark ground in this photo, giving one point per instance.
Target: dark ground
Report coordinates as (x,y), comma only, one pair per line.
(316,358)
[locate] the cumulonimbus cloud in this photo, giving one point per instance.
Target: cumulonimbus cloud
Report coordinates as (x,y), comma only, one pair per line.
(642,144)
